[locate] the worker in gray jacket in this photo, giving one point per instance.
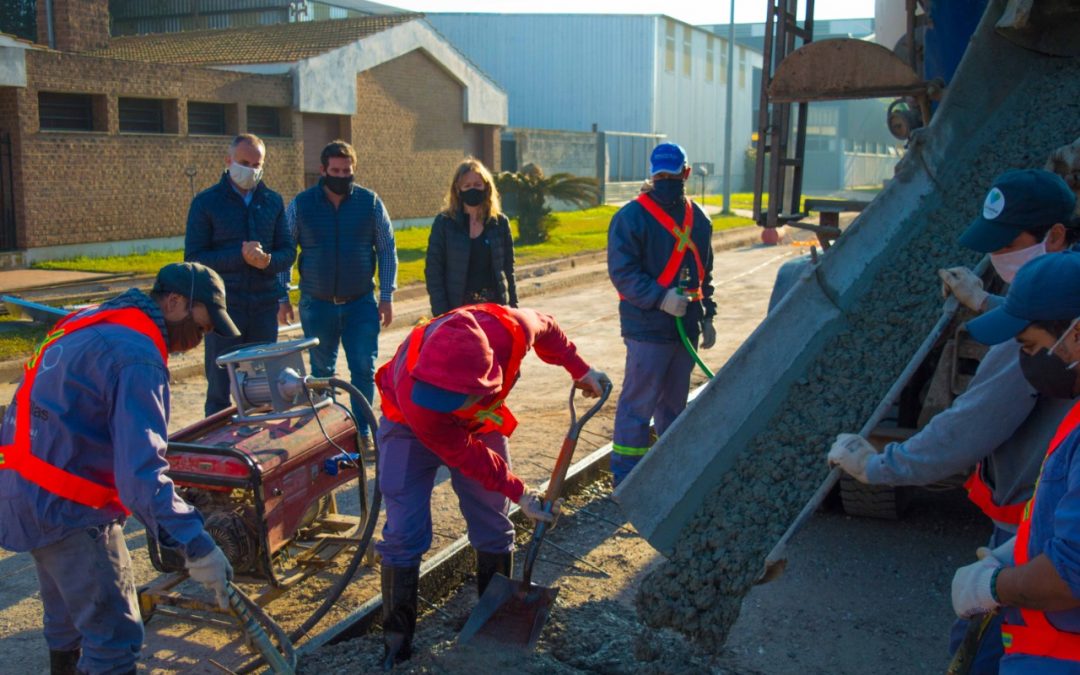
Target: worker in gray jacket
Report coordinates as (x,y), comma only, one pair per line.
(1000,424)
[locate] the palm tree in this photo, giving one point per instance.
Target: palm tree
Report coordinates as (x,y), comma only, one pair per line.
(525,195)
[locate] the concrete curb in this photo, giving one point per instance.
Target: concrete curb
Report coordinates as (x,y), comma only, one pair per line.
(417,307)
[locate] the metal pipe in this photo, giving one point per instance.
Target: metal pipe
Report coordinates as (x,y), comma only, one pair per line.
(49,28)
(729,107)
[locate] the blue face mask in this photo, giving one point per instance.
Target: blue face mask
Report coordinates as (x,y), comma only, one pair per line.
(668,190)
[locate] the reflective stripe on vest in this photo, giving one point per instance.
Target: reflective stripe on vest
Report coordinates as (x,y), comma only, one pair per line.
(494,416)
(979,493)
(682,239)
(1038,637)
(18,455)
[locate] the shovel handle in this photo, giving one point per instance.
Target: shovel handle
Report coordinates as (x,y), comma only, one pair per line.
(558,475)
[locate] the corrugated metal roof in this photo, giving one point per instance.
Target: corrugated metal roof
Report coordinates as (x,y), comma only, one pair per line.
(281,43)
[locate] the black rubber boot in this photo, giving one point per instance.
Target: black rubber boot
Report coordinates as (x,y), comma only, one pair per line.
(488,564)
(399,590)
(64,662)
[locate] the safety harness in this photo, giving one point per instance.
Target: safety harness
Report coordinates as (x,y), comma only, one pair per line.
(19,457)
(1038,637)
(495,415)
(979,493)
(683,242)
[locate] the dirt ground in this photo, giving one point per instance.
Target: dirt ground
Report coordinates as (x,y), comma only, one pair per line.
(809,621)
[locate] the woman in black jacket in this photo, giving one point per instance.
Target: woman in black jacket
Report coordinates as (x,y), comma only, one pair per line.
(470,254)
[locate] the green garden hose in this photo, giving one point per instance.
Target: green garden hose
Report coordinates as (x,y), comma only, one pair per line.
(690,348)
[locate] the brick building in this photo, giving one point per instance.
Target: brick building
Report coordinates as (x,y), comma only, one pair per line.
(103,141)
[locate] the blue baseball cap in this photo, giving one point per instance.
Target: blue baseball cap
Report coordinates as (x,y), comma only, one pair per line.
(436,398)
(1045,289)
(667,158)
(1022,200)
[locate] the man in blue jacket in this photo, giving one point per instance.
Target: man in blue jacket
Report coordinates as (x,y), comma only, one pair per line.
(660,261)
(84,446)
(1034,578)
(237,228)
(344,233)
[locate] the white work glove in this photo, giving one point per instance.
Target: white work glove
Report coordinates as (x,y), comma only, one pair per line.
(971,588)
(592,385)
(1002,553)
(965,285)
(674,302)
(214,572)
(708,333)
(851,452)
(532,505)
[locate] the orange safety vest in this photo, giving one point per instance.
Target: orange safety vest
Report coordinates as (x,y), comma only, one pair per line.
(494,416)
(682,239)
(19,457)
(979,493)
(1038,637)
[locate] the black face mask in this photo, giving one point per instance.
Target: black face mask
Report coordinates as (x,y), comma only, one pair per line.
(472,197)
(1048,374)
(184,335)
(339,185)
(668,190)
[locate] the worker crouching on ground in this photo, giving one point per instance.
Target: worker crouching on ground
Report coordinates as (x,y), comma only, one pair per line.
(1034,578)
(656,243)
(443,399)
(1000,424)
(86,439)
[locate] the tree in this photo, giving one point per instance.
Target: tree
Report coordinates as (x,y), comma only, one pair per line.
(525,195)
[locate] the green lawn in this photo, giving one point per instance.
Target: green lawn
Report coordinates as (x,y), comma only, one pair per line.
(19,338)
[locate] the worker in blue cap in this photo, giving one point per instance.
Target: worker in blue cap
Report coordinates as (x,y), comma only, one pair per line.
(1034,578)
(660,261)
(1000,424)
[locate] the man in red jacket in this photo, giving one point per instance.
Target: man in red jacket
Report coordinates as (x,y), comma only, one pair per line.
(443,399)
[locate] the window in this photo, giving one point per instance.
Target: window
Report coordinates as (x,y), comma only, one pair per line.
(687,51)
(263,121)
(710,55)
(142,115)
(65,112)
(723,62)
(206,118)
(669,46)
(742,68)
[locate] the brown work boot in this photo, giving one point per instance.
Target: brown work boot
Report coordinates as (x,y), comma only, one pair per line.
(367,447)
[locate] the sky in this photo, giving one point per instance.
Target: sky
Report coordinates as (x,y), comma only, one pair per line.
(691,11)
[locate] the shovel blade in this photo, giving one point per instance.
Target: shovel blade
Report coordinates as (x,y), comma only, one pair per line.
(509,613)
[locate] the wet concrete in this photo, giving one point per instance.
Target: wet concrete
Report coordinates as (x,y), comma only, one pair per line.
(719,555)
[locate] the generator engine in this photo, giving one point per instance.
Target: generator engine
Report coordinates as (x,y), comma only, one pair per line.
(263,473)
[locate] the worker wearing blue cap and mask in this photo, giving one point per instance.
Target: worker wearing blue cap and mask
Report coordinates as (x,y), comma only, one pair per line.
(1000,424)
(657,243)
(1034,579)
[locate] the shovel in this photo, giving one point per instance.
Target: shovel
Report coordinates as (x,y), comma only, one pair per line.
(513,612)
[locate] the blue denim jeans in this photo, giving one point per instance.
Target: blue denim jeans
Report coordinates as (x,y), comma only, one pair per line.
(257,325)
(88,593)
(355,327)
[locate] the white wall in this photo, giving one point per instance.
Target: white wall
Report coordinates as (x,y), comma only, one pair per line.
(690,108)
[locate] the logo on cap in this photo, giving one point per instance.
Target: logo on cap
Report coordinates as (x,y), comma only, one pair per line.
(994,204)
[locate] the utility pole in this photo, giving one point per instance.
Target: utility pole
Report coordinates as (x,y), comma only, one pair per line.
(730,106)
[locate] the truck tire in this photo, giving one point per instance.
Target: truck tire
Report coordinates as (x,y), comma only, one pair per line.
(873,501)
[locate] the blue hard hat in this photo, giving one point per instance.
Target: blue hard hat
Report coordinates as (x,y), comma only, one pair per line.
(1022,200)
(667,158)
(1045,289)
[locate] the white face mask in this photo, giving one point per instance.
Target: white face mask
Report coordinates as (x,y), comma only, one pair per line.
(1008,264)
(245,177)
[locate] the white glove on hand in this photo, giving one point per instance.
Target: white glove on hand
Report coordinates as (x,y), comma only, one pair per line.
(708,333)
(851,453)
(214,572)
(965,285)
(592,385)
(532,505)
(971,592)
(674,303)
(1003,553)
